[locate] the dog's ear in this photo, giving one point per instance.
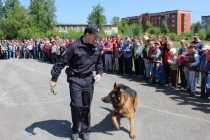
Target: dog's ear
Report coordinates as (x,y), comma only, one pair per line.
(115,85)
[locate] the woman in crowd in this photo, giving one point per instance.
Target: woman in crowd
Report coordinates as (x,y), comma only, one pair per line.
(165,57)
(145,57)
(181,53)
(173,64)
(192,61)
(137,55)
(107,52)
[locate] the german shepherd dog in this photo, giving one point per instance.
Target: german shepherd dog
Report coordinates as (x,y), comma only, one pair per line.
(124,101)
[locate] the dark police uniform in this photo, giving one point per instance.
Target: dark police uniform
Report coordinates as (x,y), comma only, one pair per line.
(82,60)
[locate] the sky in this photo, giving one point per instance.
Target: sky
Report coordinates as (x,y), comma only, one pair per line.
(77,11)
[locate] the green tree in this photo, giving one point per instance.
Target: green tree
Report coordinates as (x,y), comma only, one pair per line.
(2,12)
(186,36)
(196,27)
(9,5)
(17,19)
(43,14)
(154,30)
(115,21)
(97,17)
(164,27)
(30,32)
(147,26)
(202,34)
(173,36)
(124,28)
(6,6)
(1,34)
(136,29)
(208,33)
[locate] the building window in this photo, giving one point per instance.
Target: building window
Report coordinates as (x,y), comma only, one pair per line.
(173,21)
(173,16)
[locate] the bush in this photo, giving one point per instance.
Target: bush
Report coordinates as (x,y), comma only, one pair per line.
(173,36)
(52,33)
(202,34)
(154,30)
(124,28)
(72,34)
(164,27)
(30,32)
(147,26)
(208,33)
(186,36)
(136,30)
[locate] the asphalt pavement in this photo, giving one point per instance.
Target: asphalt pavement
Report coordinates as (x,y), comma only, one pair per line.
(29,112)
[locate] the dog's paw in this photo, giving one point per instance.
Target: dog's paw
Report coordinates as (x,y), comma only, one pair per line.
(132,136)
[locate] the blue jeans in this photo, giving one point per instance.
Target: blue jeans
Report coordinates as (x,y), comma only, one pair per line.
(191,78)
(108,62)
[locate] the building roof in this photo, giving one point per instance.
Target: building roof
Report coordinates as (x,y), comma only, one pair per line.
(81,25)
(205,16)
(132,17)
(157,13)
(167,12)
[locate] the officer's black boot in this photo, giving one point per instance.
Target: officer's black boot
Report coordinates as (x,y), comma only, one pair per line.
(85,123)
(75,112)
(75,136)
(85,136)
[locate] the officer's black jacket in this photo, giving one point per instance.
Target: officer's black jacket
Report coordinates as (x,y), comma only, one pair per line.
(82,59)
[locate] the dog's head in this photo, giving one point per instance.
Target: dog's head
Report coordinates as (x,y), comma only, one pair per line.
(116,96)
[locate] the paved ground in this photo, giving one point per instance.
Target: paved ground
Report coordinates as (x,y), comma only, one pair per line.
(29,112)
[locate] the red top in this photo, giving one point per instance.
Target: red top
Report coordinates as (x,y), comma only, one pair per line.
(166,55)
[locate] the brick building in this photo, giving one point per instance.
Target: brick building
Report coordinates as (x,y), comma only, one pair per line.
(178,21)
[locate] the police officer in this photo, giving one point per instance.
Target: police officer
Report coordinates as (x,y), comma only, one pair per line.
(85,67)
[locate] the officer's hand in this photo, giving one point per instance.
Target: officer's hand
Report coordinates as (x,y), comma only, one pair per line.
(97,77)
(52,87)
(52,84)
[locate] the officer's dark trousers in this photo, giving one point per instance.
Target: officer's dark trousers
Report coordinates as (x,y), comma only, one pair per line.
(81,93)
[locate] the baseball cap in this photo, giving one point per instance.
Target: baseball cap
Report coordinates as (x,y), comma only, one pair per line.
(206,47)
(91,30)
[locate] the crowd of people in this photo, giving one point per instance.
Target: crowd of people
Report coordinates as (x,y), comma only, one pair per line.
(158,60)
(46,50)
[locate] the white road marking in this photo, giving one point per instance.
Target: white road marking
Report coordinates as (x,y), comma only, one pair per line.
(44,102)
(174,114)
(9,101)
(3,93)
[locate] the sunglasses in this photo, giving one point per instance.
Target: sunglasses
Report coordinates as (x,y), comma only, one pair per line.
(157,44)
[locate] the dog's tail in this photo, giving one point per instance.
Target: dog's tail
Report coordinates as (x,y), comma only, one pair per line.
(135,103)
